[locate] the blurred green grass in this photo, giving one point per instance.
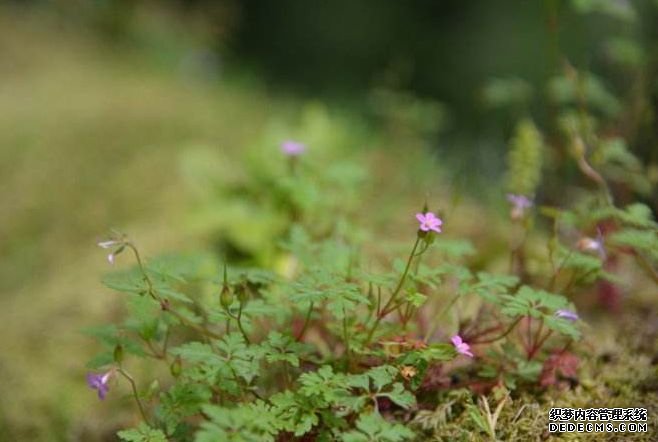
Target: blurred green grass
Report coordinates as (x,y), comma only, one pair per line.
(90,139)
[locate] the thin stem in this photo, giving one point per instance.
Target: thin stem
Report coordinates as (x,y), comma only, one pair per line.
(152,293)
(142,269)
(379,299)
(559,269)
(482,333)
(505,333)
(154,352)
(529,334)
(432,329)
(535,341)
(165,344)
(516,253)
(239,321)
(539,344)
(346,340)
(399,286)
(135,394)
(306,322)
(575,281)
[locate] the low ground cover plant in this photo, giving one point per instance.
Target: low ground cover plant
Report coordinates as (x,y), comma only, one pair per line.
(324,343)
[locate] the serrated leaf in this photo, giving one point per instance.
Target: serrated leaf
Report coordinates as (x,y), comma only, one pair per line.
(143,433)
(401,396)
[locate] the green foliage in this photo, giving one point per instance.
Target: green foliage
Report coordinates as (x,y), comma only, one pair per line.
(525,159)
(312,335)
(373,428)
(143,433)
(247,423)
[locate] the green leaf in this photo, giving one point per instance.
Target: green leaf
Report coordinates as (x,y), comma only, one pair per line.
(490,287)
(282,348)
(455,248)
(382,376)
(254,422)
(530,302)
(143,433)
(400,396)
(416,299)
(374,428)
(197,352)
(182,400)
(562,326)
(645,241)
(294,413)
(476,416)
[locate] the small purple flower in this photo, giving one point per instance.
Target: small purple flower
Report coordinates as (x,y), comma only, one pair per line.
(292,148)
(519,205)
(428,221)
(461,346)
(587,244)
(567,314)
(99,382)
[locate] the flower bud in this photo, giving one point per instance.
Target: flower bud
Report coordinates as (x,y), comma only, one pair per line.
(118,354)
(243,292)
(176,367)
(226,297)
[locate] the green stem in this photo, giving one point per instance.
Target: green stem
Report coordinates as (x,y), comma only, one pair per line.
(239,321)
(557,271)
(432,329)
(152,293)
(401,282)
(135,394)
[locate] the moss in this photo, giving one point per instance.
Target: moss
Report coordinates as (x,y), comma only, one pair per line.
(619,372)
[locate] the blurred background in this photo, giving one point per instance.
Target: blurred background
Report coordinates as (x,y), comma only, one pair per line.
(125,113)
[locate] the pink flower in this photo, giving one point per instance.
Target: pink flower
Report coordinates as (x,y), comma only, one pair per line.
(292,148)
(461,346)
(428,221)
